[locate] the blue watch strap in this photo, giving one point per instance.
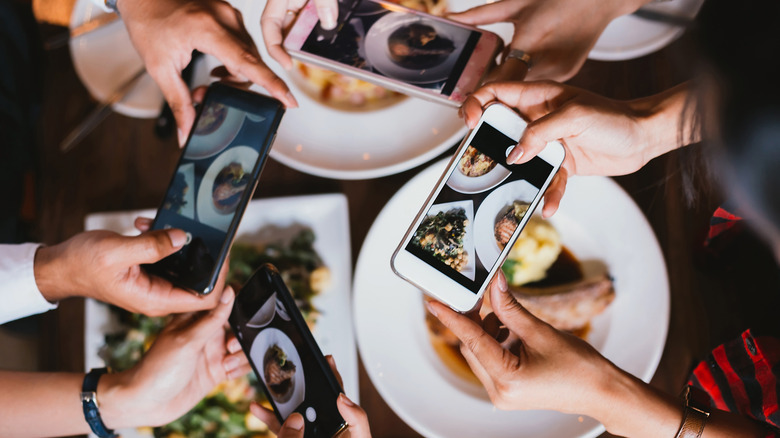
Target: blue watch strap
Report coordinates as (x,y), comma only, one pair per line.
(89,403)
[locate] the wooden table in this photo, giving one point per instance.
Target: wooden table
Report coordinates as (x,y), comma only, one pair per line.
(123,166)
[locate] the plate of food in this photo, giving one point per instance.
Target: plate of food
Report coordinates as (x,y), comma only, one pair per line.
(447,234)
(631,36)
(498,216)
(223,184)
(307,238)
(217,126)
(282,371)
(476,173)
(372,138)
(416,365)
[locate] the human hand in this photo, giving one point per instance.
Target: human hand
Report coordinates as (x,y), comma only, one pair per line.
(165,32)
(107,266)
(293,427)
(187,360)
(279,14)
(601,136)
(557,34)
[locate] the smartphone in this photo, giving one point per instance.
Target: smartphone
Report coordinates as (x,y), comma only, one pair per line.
(398,48)
(468,224)
(213,182)
(284,355)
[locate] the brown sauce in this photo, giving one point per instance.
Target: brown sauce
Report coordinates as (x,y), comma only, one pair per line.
(565,269)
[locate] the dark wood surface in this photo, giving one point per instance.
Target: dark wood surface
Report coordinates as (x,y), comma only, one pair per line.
(123,166)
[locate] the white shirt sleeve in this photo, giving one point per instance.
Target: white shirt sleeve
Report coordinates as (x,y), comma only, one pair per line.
(19,294)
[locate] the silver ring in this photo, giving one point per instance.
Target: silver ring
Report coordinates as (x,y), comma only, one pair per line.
(520,55)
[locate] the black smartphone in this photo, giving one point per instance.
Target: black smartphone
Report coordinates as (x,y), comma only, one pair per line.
(284,355)
(213,182)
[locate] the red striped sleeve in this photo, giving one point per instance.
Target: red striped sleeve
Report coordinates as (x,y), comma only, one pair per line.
(736,384)
(707,381)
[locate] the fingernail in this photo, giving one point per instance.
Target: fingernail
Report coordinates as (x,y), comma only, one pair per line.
(346,400)
(231,363)
(294,422)
(429,306)
(502,282)
(227,295)
(178,238)
(516,154)
(328,18)
(180,134)
(291,99)
(234,345)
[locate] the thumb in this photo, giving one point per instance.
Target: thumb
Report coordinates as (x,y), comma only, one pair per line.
(508,310)
(292,427)
(485,14)
(177,94)
(153,246)
(213,321)
(354,416)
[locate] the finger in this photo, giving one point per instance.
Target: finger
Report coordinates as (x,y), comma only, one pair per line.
(213,321)
(509,311)
(511,69)
(241,371)
(490,13)
(234,361)
(152,246)
(143,224)
(198,94)
(479,371)
(531,99)
(487,350)
(554,193)
(560,124)
(355,417)
(233,346)
(292,427)
(472,110)
(267,416)
(177,94)
(271,25)
(332,363)
(327,11)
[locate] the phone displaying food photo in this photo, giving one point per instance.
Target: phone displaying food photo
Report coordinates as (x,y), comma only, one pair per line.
(396,47)
(469,223)
(214,179)
(286,359)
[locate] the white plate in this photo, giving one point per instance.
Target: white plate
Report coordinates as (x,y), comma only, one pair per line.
(378,52)
(322,141)
(207,212)
(204,146)
(265,340)
(105,58)
(477,184)
(266,221)
(596,220)
(630,37)
(468,240)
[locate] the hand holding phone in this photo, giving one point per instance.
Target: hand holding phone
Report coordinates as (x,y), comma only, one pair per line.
(284,355)
(398,48)
(214,180)
(468,224)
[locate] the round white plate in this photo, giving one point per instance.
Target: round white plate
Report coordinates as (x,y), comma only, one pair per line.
(630,37)
(596,220)
(265,314)
(105,59)
(207,212)
(477,184)
(323,141)
(378,52)
(468,239)
(204,146)
(267,339)
(495,204)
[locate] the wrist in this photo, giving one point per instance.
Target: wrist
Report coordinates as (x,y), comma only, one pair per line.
(113,395)
(47,272)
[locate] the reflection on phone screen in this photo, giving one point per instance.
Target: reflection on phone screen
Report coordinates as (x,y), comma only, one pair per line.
(380,38)
(283,361)
(477,211)
(213,174)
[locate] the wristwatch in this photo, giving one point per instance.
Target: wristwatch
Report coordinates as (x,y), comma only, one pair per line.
(696,411)
(90,404)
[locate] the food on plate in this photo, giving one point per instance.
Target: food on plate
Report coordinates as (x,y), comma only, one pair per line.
(474,163)
(344,92)
(418,46)
(176,199)
(508,222)
(211,119)
(229,185)
(442,235)
(547,279)
(224,413)
(278,371)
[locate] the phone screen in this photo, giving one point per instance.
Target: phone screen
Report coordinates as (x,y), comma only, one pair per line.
(478,209)
(285,359)
(220,162)
(381,38)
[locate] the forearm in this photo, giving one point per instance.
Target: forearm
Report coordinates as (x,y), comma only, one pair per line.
(50,274)
(668,120)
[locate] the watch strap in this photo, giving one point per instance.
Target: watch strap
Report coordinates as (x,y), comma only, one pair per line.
(90,404)
(695,413)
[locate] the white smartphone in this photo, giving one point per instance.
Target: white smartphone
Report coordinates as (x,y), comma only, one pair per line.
(398,48)
(468,224)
